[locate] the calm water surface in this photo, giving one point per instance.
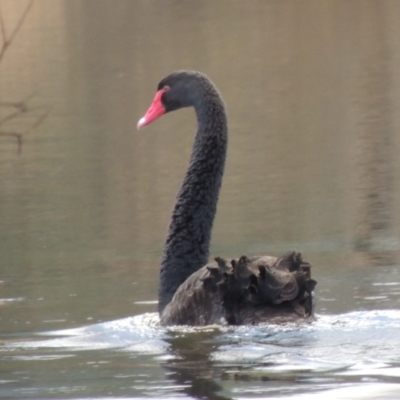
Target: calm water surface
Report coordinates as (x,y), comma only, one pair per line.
(313,96)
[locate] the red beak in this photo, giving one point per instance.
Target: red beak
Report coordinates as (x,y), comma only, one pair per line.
(156,110)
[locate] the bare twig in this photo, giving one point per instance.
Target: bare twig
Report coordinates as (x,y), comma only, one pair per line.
(20,107)
(10,117)
(19,135)
(14,104)
(21,21)
(8,41)
(38,121)
(3,29)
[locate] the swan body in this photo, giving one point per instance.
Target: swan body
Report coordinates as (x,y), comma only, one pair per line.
(239,291)
(247,291)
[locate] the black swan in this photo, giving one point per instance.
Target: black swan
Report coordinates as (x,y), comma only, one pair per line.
(239,291)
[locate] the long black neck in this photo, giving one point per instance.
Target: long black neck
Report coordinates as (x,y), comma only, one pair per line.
(187,245)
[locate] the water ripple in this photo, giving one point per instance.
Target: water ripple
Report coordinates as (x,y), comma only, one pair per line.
(334,351)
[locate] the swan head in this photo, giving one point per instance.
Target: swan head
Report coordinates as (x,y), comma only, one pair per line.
(177,90)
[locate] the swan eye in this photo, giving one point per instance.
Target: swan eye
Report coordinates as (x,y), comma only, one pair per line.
(165,88)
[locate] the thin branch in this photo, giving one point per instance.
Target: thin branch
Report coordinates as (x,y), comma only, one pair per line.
(7,42)
(11,116)
(15,104)
(38,121)
(2,28)
(19,135)
(20,107)
(28,111)
(21,21)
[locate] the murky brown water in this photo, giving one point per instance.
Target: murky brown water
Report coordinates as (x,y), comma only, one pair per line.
(313,95)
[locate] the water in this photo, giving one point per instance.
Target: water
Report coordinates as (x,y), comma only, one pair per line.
(356,352)
(312,90)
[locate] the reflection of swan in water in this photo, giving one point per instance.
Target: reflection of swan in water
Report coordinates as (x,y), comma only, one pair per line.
(244,291)
(203,381)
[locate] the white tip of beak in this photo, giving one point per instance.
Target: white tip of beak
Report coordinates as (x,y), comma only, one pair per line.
(141,123)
